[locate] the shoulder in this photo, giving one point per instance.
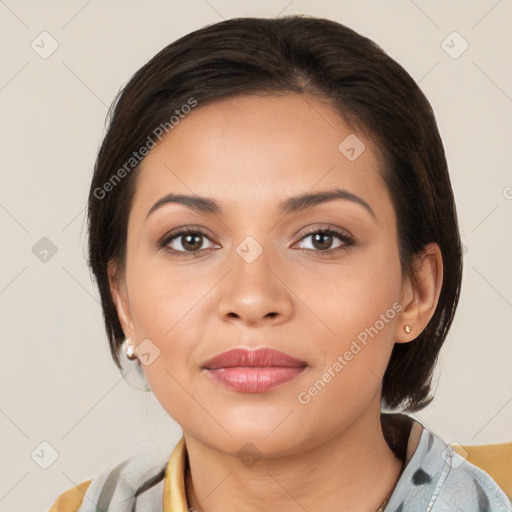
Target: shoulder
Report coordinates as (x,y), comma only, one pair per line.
(470,487)
(70,500)
(438,479)
(138,478)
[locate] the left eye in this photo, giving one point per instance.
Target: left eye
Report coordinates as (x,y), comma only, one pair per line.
(322,240)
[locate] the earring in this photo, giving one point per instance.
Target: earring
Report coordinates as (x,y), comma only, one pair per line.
(407,329)
(129,349)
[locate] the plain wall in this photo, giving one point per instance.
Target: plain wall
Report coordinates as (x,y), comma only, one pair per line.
(59,384)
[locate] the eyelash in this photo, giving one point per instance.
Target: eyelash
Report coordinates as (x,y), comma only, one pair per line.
(347,240)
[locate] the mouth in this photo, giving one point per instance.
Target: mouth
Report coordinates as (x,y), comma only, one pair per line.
(253,371)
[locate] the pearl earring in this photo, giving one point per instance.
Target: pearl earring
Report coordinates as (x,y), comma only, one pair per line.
(407,329)
(129,349)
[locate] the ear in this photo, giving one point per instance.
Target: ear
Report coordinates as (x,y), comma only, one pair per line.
(420,293)
(121,300)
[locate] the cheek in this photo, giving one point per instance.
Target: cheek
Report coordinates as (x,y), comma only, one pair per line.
(164,307)
(353,295)
(164,311)
(353,362)
(359,305)
(165,296)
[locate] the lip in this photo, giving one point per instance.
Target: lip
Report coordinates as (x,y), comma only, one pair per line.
(262,357)
(253,371)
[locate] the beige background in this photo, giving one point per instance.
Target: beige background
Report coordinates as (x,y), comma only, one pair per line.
(59,384)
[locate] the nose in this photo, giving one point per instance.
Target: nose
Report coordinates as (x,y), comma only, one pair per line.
(255,293)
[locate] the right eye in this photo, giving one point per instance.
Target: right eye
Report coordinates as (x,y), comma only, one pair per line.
(186,241)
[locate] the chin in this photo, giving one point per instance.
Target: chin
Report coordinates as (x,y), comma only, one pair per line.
(268,434)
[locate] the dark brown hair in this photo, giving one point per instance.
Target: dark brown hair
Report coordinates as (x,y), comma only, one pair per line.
(292,54)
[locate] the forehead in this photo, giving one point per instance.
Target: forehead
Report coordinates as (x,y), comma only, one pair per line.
(260,150)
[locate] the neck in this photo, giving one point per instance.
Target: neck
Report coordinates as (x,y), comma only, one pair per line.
(354,470)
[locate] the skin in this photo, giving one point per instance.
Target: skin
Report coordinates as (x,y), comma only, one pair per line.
(250,153)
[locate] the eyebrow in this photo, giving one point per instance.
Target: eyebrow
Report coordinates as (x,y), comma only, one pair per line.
(290,205)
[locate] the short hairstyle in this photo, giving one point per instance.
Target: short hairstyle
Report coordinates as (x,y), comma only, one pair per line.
(293,54)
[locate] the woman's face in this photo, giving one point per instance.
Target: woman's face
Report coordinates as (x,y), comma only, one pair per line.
(258,276)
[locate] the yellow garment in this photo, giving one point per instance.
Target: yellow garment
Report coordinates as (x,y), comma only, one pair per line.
(70,500)
(175,496)
(495,459)
(174,499)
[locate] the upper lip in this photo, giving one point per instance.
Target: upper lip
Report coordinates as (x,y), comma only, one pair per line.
(262,357)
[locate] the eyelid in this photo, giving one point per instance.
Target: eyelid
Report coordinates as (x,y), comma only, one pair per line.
(326,227)
(180,231)
(343,235)
(346,238)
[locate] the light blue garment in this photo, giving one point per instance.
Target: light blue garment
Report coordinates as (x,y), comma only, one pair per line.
(437,479)
(134,485)
(434,479)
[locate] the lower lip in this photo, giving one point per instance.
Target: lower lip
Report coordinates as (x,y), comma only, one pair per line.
(254,379)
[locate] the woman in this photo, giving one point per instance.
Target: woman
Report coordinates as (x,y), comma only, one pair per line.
(274,236)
